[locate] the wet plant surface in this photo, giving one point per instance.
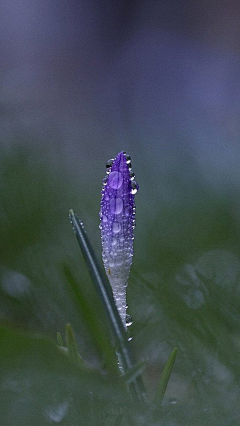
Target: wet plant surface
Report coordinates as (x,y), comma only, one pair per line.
(183,292)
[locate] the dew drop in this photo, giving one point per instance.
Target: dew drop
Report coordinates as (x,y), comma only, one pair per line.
(104,218)
(134,187)
(116,205)
(109,163)
(114,242)
(115,180)
(128,158)
(100,226)
(105,181)
(129,339)
(128,320)
(116,227)
(132,175)
(127,211)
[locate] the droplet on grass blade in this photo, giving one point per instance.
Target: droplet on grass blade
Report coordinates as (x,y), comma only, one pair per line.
(116,224)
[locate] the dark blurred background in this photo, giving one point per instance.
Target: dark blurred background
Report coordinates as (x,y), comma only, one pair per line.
(81,81)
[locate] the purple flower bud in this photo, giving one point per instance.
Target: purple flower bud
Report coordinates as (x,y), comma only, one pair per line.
(117,224)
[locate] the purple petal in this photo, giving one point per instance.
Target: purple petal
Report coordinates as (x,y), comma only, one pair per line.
(117,224)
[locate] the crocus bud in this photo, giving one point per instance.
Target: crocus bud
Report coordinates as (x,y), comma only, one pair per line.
(117,219)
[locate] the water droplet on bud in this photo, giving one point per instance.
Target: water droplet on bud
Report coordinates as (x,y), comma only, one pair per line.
(128,158)
(134,187)
(116,227)
(128,320)
(109,163)
(132,175)
(114,242)
(105,180)
(127,211)
(115,180)
(116,205)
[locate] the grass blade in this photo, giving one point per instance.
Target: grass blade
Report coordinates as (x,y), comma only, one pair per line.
(72,345)
(165,377)
(60,341)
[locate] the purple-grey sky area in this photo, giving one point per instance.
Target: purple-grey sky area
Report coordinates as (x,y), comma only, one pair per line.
(159,79)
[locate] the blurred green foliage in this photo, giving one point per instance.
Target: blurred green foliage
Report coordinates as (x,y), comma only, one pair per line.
(183,291)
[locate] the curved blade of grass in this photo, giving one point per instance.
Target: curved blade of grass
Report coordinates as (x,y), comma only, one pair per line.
(106,296)
(165,377)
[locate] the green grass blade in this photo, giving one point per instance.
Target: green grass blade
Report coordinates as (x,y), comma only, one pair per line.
(72,345)
(100,281)
(60,341)
(165,377)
